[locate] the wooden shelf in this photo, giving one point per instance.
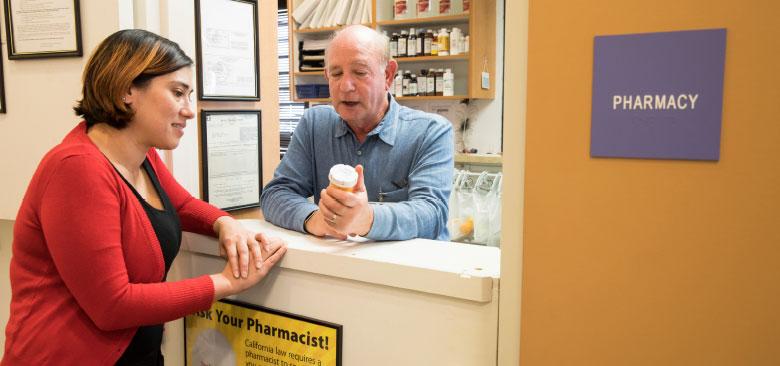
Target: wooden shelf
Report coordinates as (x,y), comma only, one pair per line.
(479,23)
(312,100)
(305,73)
(420,98)
(478,159)
(461,57)
(324,29)
(442,19)
(434,97)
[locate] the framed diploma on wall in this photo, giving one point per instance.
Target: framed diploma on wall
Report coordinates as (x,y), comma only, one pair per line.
(43,28)
(231,166)
(2,84)
(227,49)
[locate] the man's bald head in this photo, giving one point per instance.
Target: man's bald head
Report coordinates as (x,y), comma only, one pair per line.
(363,37)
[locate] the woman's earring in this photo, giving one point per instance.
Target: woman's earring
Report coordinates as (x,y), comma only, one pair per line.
(124,100)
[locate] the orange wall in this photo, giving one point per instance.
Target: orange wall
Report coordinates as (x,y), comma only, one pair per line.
(651,262)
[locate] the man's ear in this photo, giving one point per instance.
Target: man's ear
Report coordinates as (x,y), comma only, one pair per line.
(392,67)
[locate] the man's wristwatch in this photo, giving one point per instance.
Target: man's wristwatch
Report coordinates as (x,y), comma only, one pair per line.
(307,220)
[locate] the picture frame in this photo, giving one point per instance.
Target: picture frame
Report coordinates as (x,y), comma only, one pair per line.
(50,29)
(231,158)
(226,43)
(2,84)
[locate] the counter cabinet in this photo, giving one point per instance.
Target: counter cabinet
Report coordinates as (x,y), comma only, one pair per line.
(415,302)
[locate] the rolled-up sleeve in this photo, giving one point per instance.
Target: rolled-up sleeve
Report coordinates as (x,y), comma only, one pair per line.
(284,199)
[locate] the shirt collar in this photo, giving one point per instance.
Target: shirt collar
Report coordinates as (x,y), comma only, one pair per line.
(386,129)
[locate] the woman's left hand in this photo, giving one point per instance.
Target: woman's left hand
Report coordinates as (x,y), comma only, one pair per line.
(236,242)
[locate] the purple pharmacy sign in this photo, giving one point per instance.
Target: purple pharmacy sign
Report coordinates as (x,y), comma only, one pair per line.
(658,95)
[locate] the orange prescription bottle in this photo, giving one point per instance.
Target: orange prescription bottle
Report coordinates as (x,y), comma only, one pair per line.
(343,177)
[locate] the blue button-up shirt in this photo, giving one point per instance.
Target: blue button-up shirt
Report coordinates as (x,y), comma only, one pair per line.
(408,168)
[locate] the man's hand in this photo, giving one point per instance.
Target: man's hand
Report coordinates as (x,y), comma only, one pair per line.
(316,225)
(347,212)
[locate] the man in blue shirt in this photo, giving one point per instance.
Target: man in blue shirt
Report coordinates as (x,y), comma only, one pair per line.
(408,155)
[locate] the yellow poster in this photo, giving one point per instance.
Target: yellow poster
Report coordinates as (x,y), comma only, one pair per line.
(237,334)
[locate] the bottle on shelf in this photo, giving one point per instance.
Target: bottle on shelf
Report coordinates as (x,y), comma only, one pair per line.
(422,83)
(394,45)
(398,90)
(455,41)
(428,42)
(425,8)
(405,83)
(444,42)
(430,89)
(411,44)
(402,41)
(413,85)
(420,39)
(445,7)
(402,9)
(435,44)
(440,82)
(449,83)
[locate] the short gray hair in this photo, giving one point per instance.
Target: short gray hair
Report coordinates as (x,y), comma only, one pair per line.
(377,43)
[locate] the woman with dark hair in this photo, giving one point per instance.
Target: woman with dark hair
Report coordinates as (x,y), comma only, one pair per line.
(102,218)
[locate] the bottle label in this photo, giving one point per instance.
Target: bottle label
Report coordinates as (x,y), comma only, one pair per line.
(425,5)
(485,80)
(444,6)
(400,7)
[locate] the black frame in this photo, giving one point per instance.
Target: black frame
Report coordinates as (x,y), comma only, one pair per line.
(2,84)
(338,327)
(199,53)
(204,172)
(78,52)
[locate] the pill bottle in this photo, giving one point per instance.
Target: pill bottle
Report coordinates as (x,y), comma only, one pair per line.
(343,177)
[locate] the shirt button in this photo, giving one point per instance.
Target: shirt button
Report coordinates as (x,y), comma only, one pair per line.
(360,152)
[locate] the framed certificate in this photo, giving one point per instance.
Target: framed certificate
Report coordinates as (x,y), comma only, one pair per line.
(227,49)
(231,166)
(42,28)
(2,84)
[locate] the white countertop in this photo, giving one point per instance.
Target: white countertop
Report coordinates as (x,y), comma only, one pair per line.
(450,269)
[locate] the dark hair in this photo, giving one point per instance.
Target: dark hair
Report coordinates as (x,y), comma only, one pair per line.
(130,57)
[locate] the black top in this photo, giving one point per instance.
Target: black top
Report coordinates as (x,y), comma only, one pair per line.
(144,348)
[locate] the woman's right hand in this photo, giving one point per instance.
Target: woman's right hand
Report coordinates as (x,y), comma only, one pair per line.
(225,284)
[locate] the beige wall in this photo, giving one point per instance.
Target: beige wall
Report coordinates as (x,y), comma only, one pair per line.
(514,124)
(39,96)
(651,262)
(6,234)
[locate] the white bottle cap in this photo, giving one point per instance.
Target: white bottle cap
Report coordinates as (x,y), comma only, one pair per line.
(343,176)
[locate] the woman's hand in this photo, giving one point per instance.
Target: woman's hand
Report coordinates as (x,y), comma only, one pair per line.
(272,250)
(236,243)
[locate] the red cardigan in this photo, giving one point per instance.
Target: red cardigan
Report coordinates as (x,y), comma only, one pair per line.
(86,269)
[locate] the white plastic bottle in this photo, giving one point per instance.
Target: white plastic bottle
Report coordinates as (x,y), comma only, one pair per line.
(455,36)
(398,84)
(449,83)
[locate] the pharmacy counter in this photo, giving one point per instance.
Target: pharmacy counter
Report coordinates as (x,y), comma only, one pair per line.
(415,302)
